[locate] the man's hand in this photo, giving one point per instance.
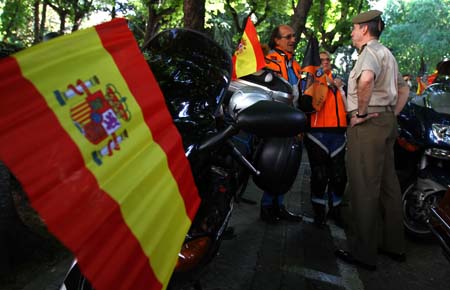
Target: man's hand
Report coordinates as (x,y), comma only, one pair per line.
(338,82)
(356,121)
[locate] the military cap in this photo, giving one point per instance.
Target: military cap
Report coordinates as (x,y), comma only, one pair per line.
(366,16)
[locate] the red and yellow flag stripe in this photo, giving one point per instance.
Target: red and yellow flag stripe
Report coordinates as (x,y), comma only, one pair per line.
(249,56)
(421,86)
(125,216)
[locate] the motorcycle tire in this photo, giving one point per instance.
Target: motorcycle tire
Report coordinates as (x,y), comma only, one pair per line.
(416,207)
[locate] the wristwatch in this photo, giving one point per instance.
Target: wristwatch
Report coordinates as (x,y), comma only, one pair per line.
(361,116)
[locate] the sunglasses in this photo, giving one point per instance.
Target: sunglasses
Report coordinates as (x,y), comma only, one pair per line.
(289,36)
(325,59)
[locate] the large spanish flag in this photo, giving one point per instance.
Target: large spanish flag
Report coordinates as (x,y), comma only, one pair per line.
(84,127)
(248,57)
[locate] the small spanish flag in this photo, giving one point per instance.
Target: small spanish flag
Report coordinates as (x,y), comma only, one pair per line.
(421,85)
(248,57)
(84,127)
(432,77)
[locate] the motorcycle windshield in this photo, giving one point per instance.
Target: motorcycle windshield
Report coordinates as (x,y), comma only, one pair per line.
(194,73)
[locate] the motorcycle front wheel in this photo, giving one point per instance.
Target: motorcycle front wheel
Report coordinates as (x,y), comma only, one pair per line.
(416,207)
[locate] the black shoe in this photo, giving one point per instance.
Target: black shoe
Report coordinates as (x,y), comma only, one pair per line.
(319,215)
(319,222)
(348,258)
(336,216)
(394,256)
(284,214)
(268,214)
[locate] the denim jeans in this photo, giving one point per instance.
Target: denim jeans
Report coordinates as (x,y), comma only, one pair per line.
(268,199)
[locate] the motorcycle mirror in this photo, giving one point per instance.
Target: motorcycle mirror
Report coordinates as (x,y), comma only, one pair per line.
(271,119)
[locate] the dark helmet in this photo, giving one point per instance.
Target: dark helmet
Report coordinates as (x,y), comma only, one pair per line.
(278,160)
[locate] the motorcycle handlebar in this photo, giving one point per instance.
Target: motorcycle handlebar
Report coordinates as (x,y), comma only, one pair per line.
(214,140)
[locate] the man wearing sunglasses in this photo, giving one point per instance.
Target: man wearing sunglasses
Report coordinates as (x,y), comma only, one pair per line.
(280,59)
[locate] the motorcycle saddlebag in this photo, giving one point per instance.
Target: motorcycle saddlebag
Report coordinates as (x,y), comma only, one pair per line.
(278,160)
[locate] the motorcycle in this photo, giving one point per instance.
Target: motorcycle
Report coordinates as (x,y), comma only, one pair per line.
(423,156)
(439,223)
(231,130)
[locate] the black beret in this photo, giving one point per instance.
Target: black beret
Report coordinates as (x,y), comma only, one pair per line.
(366,16)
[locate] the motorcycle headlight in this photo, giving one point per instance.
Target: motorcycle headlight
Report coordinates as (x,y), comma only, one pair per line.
(441,133)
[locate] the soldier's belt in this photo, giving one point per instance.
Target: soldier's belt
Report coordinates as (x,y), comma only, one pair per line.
(375,109)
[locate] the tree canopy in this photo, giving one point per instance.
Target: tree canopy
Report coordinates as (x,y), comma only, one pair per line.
(416,30)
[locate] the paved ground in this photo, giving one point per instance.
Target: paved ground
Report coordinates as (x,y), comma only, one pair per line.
(300,256)
(286,256)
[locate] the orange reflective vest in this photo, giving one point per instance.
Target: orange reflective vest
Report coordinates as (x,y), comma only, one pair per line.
(278,60)
(332,114)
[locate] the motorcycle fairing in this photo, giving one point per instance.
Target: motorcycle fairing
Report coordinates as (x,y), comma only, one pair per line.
(415,124)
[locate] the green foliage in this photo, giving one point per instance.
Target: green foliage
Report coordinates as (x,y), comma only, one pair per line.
(279,13)
(330,21)
(222,30)
(16,23)
(415,30)
(7,49)
(139,17)
(227,33)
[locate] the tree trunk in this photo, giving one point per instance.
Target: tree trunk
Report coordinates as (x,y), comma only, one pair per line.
(36,26)
(298,20)
(62,25)
(194,14)
(113,10)
(43,19)
(154,18)
(62,13)
(79,12)
(152,23)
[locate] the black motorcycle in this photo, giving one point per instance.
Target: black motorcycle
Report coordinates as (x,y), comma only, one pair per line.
(231,130)
(423,156)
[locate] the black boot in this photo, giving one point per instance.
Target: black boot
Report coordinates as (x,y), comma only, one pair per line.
(286,215)
(319,214)
(283,214)
(336,216)
(269,214)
